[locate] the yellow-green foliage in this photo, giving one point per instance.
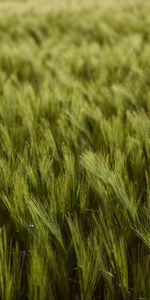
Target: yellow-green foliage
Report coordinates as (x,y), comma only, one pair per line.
(74,150)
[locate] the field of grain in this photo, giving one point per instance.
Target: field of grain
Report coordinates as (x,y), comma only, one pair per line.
(74,150)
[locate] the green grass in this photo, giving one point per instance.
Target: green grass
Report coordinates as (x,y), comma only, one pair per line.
(74,150)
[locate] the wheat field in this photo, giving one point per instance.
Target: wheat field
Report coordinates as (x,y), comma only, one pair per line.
(75,150)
